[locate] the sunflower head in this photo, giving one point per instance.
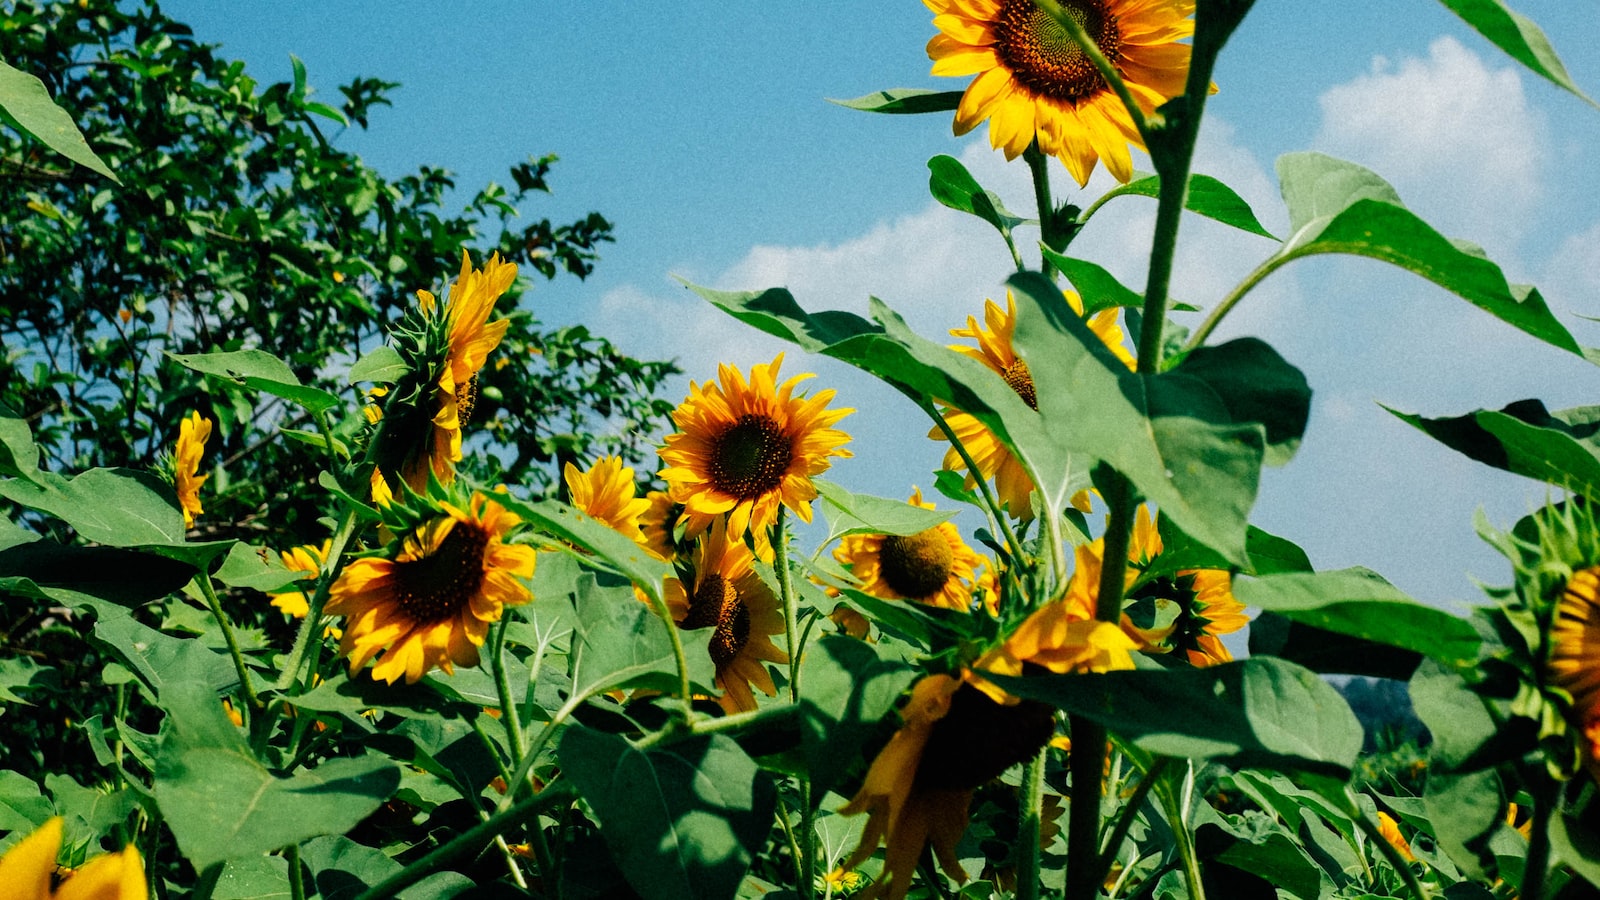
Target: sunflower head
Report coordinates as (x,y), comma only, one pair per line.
(28,871)
(1185,611)
(443,346)
(427,599)
(193,432)
(307,562)
(744,448)
(1034,84)
(607,492)
(934,566)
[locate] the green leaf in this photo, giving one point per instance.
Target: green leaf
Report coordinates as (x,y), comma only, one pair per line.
(850,686)
(1260,712)
(622,643)
(1463,795)
(261,371)
(849,513)
(25,103)
(952,185)
(21,675)
(1560,448)
(254,878)
(383,364)
(1207,196)
(1340,207)
(1098,288)
(116,507)
(22,807)
(682,821)
(1359,603)
(1519,37)
(65,574)
(622,555)
(221,802)
(257,568)
(339,693)
(1255,384)
(905,100)
(19,456)
(89,813)
(344,869)
(1328,652)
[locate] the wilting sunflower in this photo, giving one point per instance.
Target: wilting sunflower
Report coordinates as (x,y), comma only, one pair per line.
(729,597)
(995,350)
(1574,664)
(742,448)
(934,566)
(429,601)
(193,432)
(1034,83)
(918,790)
(28,871)
(607,493)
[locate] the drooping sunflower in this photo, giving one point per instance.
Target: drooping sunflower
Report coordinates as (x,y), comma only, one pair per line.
(1186,611)
(995,350)
(934,566)
(193,432)
(743,448)
(1034,83)
(1574,664)
(919,787)
(429,600)
(726,595)
(607,493)
(28,870)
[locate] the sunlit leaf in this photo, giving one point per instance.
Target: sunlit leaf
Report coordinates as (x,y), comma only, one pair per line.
(1098,288)
(952,185)
(19,456)
(1207,196)
(382,364)
(1560,448)
(905,100)
(849,513)
(626,557)
(622,643)
(259,370)
(25,103)
(1518,36)
(118,508)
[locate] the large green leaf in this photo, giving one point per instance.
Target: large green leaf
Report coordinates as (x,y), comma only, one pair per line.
(1328,652)
(1560,448)
(905,101)
(1097,287)
(24,102)
(682,821)
(1255,384)
(1463,795)
(610,548)
(849,686)
(1260,711)
(848,513)
(1340,207)
(261,371)
(118,508)
(19,455)
(222,803)
(1359,603)
(343,869)
(622,643)
(952,185)
(1207,196)
(1518,36)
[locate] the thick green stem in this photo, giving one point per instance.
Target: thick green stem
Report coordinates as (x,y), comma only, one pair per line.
(1535,872)
(1129,813)
(1028,856)
(1177,812)
(1087,765)
(311,627)
(502,685)
(232,640)
(790,601)
(1049,233)
(297,885)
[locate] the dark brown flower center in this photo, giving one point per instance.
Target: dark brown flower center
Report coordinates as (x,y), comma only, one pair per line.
(750,457)
(466,400)
(441,584)
(1044,58)
(716,603)
(916,566)
(1021,381)
(979,738)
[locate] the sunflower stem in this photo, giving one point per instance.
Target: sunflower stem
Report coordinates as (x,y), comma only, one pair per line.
(791,602)
(502,685)
(1086,765)
(1129,813)
(1375,837)
(232,640)
(310,628)
(1222,309)
(297,885)
(1535,872)
(1176,810)
(794,845)
(1048,233)
(1028,855)
(996,514)
(1113,78)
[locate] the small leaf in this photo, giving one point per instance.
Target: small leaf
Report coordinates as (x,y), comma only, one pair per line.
(344,869)
(849,513)
(683,821)
(1207,197)
(627,558)
(905,100)
(382,364)
(1560,448)
(25,103)
(19,456)
(952,185)
(1099,288)
(1519,37)
(261,371)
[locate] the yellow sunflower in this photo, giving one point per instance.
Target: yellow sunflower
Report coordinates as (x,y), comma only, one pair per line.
(193,432)
(919,787)
(1574,664)
(934,566)
(607,493)
(1186,611)
(308,561)
(742,448)
(429,602)
(1390,829)
(1034,83)
(659,525)
(471,338)
(729,597)
(995,350)
(28,870)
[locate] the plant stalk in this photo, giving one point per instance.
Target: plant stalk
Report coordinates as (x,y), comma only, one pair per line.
(232,640)
(1028,854)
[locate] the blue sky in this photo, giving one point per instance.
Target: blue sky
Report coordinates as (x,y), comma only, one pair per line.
(700,129)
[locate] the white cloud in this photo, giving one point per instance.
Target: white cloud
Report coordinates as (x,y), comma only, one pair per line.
(1456,137)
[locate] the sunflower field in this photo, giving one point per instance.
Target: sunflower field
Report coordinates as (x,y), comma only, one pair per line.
(470,610)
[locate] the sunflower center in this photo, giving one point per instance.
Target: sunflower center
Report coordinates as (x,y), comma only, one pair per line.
(750,457)
(978,739)
(1021,381)
(1045,58)
(466,400)
(716,603)
(438,586)
(917,565)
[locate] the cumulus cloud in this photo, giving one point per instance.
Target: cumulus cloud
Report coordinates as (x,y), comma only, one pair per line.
(1457,137)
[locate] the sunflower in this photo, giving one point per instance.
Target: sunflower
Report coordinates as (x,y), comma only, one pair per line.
(743,448)
(193,432)
(1061,636)
(1034,83)
(430,600)
(728,596)
(28,870)
(919,788)
(1574,664)
(659,525)
(995,350)
(308,561)
(934,566)
(607,493)
(1390,829)
(1185,611)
